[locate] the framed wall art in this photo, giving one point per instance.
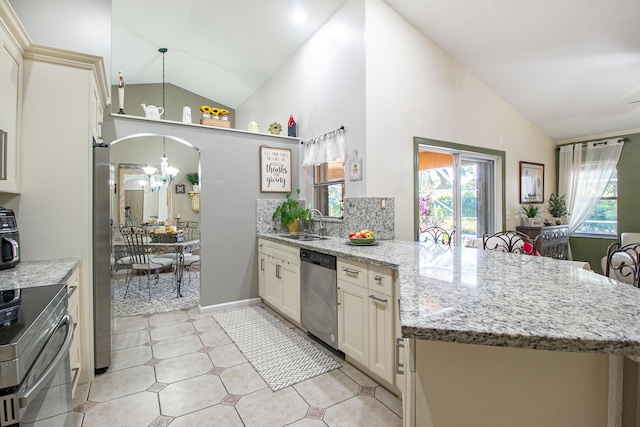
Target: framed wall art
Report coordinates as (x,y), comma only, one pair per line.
(355,170)
(531,183)
(275,170)
(180,189)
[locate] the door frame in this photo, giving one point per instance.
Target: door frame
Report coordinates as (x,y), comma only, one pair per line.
(418,141)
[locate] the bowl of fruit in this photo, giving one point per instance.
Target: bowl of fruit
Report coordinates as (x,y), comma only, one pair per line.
(362,237)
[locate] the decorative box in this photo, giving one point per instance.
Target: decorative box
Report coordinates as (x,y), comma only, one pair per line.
(167,238)
(215,122)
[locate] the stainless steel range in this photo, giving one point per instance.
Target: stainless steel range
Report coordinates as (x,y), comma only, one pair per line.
(35,377)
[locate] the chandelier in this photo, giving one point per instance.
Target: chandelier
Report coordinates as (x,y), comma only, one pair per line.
(167,173)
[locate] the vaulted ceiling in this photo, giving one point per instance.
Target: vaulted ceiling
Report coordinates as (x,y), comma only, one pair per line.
(572,67)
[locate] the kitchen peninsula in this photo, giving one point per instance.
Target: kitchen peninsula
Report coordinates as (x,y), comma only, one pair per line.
(497,339)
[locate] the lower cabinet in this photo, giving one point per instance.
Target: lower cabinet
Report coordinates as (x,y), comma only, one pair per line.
(366,326)
(279,277)
(353,321)
(381,336)
(262,266)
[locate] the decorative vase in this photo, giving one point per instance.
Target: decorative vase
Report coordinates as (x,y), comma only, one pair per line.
(205,116)
(196,188)
(531,221)
(558,221)
(294,226)
(224,118)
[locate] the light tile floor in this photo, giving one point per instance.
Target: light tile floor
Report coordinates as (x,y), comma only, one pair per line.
(180,369)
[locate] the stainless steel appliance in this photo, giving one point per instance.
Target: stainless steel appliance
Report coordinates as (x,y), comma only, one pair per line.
(101,257)
(318,296)
(35,376)
(9,239)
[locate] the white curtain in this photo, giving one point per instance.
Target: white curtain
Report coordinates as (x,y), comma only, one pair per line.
(324,148)
(585,170)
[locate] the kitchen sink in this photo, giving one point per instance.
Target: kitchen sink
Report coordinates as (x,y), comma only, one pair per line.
(302,236)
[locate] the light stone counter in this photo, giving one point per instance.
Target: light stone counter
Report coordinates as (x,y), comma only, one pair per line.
(28,274)
(471,296)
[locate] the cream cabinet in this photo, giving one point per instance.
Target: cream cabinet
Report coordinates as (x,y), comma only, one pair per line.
(11,76)
(279,266)
(366,323)
(353,321)
(75,352)
(262,260)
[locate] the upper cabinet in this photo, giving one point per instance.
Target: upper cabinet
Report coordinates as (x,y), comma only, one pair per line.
(12,40)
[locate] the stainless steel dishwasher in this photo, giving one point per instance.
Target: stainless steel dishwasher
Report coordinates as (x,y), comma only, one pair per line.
(318,296)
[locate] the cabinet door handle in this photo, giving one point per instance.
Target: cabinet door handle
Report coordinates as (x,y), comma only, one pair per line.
(277,271)
(378,299)
(351,271)
(338,297)
(378,278)
(399,366)
(262,264)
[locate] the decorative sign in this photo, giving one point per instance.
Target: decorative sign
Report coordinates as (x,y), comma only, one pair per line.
(531,182)
(275,170)
(355,170)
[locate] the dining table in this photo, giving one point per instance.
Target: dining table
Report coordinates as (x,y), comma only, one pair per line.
(169,247)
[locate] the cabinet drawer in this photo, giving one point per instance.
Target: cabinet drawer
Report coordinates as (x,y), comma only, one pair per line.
(352,271)
(284,252)
(380,279)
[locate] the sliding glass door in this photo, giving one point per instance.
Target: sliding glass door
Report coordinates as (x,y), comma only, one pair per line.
(456,190)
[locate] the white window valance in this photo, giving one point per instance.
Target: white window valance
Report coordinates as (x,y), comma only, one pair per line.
(324,148)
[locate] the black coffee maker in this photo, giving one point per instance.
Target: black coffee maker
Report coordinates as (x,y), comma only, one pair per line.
(9,239)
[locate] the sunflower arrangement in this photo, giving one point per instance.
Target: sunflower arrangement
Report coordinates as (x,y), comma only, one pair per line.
(206,110)
(214,112)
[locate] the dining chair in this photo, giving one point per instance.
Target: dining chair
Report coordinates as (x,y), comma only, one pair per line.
(623,263)
(191,262)
(436,235)
(509,241)
(142,262)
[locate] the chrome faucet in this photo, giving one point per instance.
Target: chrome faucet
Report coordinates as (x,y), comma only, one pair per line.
(321,229)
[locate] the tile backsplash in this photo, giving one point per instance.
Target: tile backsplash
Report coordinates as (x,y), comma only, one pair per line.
(372,213)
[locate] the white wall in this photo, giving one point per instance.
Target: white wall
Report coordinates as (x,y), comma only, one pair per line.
(411,88)
(322,85)
(414,88)
(77,25)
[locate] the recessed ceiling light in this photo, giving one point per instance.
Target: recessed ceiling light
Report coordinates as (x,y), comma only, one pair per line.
(299,17)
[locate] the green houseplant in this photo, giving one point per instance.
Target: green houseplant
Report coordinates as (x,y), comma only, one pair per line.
(531,211)
(194,179)
(291,213)
(557,207)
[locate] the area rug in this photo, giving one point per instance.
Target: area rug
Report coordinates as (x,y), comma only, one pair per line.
(280,355)
(163,296)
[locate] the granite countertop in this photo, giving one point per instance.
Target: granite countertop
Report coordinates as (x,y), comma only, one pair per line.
(28,274)
(472,296)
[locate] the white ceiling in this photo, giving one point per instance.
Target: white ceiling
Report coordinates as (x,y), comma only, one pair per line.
(572,66)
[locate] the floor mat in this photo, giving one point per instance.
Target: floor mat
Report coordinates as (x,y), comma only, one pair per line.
(281,356)
(163,296)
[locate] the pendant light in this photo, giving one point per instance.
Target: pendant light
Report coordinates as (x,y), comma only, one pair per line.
(167,172)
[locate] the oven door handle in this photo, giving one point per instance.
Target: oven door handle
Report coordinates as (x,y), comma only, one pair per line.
(53,366)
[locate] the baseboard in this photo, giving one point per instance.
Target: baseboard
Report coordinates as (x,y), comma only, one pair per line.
(230,305)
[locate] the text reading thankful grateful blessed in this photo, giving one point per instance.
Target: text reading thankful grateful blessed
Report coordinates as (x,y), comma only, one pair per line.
(276,173)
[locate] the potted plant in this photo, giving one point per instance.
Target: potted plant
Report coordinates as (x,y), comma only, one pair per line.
(557,207)
(291,213)
(194,179)
(531,213)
